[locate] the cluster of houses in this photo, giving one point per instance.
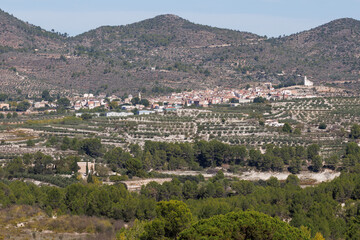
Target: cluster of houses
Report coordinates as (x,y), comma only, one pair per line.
(35,105)
(171,103)
(89,101)
(204,98)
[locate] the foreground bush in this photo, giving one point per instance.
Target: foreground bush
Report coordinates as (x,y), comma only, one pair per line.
(242,225)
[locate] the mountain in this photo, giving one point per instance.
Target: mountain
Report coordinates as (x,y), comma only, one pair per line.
(17,34)
(161,31)
(328,53)
(168,52)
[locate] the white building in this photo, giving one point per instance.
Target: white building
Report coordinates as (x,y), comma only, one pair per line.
(41,104)
(145,112)
(119,114)
(273,123)
(307,82)
(4,106)
(244,100)
(127,107)
(77,105)
(82,166)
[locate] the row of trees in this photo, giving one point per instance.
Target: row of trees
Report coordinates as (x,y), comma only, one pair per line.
(9,115)
(202,154)
(173,156)
(42,164)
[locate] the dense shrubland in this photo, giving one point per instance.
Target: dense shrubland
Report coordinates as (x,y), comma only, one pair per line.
(317,208)
(329,208)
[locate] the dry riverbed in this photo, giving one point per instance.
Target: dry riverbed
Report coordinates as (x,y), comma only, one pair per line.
(304,176)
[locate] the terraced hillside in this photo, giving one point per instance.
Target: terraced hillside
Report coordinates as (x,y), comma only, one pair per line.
(246,125)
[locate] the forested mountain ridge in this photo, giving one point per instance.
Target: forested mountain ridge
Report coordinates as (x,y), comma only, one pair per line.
(162,30)
(169,51)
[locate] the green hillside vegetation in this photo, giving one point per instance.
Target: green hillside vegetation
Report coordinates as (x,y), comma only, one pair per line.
(242,225)
(176,156)
(317,208)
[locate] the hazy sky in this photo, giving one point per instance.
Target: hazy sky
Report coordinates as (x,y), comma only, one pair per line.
(263,17)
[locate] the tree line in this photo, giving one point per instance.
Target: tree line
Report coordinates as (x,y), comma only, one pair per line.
(137,161)
(203,154)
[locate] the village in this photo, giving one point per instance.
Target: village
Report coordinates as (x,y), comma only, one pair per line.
(179,120)
(122,107)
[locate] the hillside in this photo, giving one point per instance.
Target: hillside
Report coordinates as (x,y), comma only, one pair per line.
(329,52)
(170,52)
(161,31)
(19,35)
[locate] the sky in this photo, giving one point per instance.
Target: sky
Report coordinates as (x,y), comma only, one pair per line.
(264,17)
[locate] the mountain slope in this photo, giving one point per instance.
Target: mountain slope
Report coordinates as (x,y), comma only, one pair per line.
(170,52)
(17,34)
(328,52)
(163,30)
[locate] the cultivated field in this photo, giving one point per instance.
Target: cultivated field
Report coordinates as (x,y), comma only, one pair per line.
(242,125)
